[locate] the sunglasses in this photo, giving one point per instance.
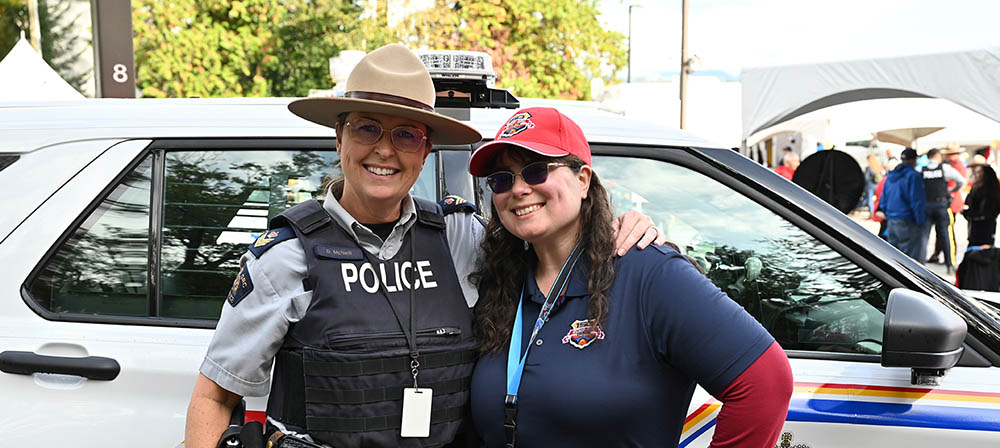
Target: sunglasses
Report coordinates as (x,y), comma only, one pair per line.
(532,174)
(404,138)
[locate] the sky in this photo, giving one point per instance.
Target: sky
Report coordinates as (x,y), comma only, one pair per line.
(729,35)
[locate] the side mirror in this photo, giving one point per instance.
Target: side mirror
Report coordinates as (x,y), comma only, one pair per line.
(922,334)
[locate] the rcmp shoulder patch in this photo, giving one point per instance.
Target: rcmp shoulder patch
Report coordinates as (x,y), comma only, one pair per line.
(270,239)
(453,203)
(242,286)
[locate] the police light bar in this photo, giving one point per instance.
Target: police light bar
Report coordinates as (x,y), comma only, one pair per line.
(459,64)
(465,79)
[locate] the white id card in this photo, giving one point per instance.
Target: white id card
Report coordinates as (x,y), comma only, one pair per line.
(416,412)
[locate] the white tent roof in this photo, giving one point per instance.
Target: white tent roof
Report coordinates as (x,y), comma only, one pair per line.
(772,95)
(24,75)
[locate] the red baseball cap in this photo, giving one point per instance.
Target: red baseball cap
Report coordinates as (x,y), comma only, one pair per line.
(542,130)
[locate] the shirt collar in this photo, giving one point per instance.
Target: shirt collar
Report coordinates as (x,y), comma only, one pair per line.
(576,288)
(363,235)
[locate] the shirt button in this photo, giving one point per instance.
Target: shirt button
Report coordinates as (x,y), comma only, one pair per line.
(538,342)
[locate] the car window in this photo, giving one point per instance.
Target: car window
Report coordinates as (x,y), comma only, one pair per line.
(7,160)
(102,268)
(214,204)
(807,295)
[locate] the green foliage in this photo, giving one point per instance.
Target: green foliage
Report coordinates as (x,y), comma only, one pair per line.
(13,19)
(188,48)
(60,46)
(313,32)
(540,48)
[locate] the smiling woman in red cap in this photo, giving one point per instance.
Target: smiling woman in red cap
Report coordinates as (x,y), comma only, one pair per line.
(585,349)
(362,303)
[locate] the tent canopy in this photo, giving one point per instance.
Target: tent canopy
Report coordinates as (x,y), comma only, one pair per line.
(772,95)
(24,75)
(905,136)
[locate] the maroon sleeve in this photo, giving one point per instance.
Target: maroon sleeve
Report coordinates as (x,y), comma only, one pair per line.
(755,404)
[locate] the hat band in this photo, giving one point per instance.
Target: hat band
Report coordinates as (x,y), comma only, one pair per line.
(382,97)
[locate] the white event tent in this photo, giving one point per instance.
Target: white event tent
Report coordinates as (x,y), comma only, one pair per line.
(24,75)
(967,80)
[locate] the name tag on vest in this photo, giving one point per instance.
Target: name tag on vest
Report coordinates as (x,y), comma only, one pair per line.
(338,253)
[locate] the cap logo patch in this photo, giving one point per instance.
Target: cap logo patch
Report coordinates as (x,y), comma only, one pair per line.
(582,334)
(517,124)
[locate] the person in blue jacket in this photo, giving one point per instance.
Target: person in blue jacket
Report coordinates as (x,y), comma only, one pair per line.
(581,348)
(904,204)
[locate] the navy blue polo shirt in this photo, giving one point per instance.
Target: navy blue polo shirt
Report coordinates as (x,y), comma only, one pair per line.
(668,328)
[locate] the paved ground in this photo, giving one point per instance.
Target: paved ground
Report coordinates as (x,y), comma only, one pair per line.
(961,240)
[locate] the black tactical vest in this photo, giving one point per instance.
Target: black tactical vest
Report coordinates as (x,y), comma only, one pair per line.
(340,373)
(935,186)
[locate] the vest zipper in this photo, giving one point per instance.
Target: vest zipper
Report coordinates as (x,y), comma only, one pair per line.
(354,340)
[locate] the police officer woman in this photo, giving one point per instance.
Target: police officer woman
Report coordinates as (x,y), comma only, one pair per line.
(584,349)
(358,302)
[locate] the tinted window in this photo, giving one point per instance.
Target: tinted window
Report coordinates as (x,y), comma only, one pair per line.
(807,295)
(103,267)
(215,203)
(7,160)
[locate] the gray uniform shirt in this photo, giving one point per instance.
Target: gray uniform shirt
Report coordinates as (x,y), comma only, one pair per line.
(249,334)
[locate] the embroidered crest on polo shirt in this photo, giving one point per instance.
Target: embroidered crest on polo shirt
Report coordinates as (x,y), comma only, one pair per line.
(242,286)
(517,124)
(582,334)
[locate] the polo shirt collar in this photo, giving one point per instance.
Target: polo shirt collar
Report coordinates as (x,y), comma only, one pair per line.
(577,287)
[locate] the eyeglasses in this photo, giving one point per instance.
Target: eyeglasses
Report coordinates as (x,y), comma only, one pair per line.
(532,173)
(404,138)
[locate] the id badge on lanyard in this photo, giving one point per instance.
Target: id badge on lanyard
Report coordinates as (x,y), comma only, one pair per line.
(416,420)
(515,360)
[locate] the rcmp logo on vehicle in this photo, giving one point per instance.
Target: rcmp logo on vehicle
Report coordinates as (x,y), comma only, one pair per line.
(582,334)
(517,124)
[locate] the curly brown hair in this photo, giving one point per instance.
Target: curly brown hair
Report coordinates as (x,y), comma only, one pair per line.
(501,272)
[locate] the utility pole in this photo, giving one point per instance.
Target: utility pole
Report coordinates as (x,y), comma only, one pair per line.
(685,62)
(35,32)
(628,76)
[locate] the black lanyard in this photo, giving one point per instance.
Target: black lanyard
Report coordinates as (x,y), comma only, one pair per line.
(408,330)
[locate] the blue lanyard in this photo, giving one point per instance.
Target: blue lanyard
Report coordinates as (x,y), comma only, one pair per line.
(515,361)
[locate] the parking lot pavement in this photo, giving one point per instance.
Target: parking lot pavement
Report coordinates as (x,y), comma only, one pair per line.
(961,239)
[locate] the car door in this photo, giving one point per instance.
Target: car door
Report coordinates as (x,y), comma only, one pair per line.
(824,303)
(113,285)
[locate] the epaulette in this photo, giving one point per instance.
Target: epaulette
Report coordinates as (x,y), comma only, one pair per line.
(453,203)
(270,239)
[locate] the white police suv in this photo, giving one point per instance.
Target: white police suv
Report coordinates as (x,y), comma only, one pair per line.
(123,222)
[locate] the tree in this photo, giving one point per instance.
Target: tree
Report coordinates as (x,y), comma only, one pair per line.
(187,48)
(61,47)
(313,32)
(540,48)
(13,19)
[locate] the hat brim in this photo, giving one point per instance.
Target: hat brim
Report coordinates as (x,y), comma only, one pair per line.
(443,130)
(480,162)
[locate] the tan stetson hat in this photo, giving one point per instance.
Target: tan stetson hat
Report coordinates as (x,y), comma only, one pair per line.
(392,81)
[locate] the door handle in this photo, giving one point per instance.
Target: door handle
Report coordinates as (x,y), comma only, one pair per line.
(90,367)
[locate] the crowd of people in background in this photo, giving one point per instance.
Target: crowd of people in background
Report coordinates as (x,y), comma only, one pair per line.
(912,194)
(911,198)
